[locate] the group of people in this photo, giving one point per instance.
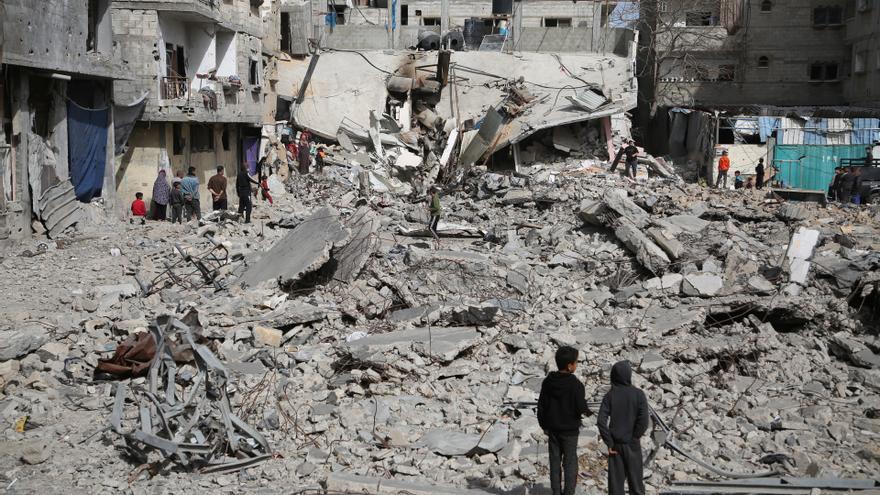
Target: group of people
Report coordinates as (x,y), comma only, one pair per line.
(622,420)
(846,185)
(182,195)
(739,181)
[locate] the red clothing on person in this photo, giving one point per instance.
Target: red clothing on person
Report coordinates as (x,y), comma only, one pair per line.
(138,208)
(724,164)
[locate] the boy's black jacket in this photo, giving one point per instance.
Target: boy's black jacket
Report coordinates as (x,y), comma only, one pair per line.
(562,403)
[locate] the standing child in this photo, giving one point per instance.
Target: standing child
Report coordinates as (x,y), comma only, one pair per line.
(264,189)
(434,208)
(623,419)
(561,404)
(139,208)
(176,203)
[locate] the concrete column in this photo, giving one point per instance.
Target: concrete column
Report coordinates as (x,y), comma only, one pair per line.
(59,130)
(517,24)
(444,20)
(108,191)
(597,38)
(20,226)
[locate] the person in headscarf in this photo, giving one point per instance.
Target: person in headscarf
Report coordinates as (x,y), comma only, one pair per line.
(161,194)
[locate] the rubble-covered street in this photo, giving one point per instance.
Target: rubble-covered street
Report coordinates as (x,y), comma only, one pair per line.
(361,356)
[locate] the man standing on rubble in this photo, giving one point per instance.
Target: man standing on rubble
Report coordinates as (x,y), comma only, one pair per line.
(723,167)
(189,186)
(623,419)
(845,185)
(561,404)
(217,187)
(434,208)
(243,183)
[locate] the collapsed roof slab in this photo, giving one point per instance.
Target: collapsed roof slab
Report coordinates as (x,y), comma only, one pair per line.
(348,85)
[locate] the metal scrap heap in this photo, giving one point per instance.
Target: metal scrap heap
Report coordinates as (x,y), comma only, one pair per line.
(182,414)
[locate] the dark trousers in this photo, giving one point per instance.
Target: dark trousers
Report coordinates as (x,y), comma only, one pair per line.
(160,212)
(219,204)
(626,465)
(722,177)
(563,459)
(631,167)
(190,208)
(245,205)
(759,182)
(432,224)
(845,195)
(177,213)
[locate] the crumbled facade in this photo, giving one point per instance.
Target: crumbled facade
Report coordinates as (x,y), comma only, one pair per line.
(863,37)
(58,55)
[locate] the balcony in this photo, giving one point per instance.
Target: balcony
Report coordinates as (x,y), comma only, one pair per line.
(174,88)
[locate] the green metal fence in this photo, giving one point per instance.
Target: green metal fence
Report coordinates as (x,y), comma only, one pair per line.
(811,166)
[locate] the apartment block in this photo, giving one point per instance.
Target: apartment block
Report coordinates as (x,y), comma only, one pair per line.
(201,65)
(752,52)
(538,26)
(863,38)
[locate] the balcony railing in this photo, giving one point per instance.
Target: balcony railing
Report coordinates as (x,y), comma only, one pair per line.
(174,87)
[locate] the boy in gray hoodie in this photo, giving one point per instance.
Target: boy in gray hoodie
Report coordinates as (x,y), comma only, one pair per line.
(623,419)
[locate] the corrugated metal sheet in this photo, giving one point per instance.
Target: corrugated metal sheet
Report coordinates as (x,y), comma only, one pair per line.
(589,100)
(815,170)
(59,208)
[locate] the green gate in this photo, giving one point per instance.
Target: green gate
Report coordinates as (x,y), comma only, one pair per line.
(811,166)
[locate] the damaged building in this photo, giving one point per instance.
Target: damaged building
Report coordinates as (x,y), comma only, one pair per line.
(56,111)
(197,67)
(723,81)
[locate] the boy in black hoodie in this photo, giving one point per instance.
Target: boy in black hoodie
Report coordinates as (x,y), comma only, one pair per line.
(561,404)
(628,410)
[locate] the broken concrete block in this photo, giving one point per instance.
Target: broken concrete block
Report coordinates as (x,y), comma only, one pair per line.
(671,282)
(601,335)
(452,443)
(667,243)
(701,284)
(687,223)
(267,336)
(649,254)
(517,197)
(592,212)
(618,201)
(34,451)
(19,342)
(351,258)
(760,284)
(304,250)
(792,212)
(118,291)
(800,249)
(441,343)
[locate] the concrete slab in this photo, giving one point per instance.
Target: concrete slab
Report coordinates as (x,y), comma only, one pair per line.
(649,254)
(352,257)
(453,443)
(441,343)
(618,201)
(305,249)
(701,284)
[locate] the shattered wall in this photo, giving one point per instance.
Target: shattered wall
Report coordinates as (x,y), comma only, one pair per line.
(141,41)
(52,35)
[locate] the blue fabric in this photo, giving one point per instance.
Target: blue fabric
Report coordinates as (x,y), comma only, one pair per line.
(190,185)
(393,15)
(330,19)
(815,131)
(766,125)
(87,152)
(865,131)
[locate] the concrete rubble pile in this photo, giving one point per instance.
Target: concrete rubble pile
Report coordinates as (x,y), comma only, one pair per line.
(344,352)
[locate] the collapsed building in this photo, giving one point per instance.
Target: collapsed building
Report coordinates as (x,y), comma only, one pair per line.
(56,110)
